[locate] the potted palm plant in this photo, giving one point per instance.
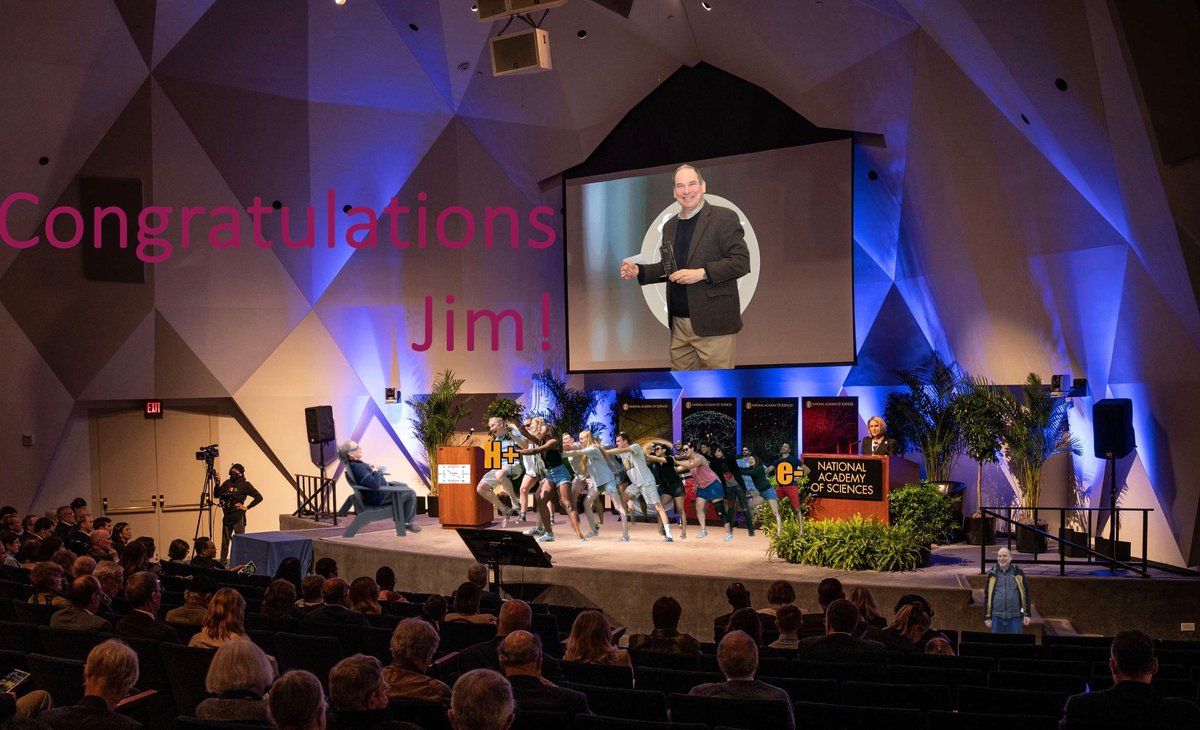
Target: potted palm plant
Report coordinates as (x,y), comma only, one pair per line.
(976,412)
(924,418)
(435,418)
(1032,429)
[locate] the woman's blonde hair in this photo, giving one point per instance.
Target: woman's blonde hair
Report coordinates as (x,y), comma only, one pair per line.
(226,615)
(590,640)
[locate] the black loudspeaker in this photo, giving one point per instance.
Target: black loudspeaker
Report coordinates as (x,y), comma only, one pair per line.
(1112,427)
(319,420)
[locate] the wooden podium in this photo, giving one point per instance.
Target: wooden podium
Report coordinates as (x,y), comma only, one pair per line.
(881,476)
(459,470)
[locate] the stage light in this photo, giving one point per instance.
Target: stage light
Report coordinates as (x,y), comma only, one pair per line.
(706,6)
(339,2)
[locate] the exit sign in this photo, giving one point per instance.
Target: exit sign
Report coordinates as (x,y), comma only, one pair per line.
(154,409)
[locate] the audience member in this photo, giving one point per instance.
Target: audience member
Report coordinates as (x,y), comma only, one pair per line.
(358,696)
(238,678)
(47,579)
(290,570)
(590,642)
(738,597)
(278,601)
(780,593)
(335,606)
(224,622)
(66,522)
(81,615)
(838,645)
(48,548)
(665,638)
(515,615)
(10,547)
(65,560)
(906,630)
(482,700)
(43,528)
(413,644)
(297,702)
(204,554)
(749,621)
(1131,702)
(787,619)
(466,606)
(737,656)
(939,645)
(868,610)
(828,591)
(326,568)
(100,546)
(101,523)
(915,598)
(112,582)
(122,535)
(364,597)
(15,711)
(434,609)
(111,669)
(478,574)
(310,594)
(83,565)
(196,597)
(177,551)
(385,578)
(145,597)
(134,559)
(521,661)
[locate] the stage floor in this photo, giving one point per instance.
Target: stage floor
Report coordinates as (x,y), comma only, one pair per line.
(626,578)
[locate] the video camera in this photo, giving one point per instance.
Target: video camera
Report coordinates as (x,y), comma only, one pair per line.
(208,453)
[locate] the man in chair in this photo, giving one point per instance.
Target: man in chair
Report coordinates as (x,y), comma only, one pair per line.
(371,479)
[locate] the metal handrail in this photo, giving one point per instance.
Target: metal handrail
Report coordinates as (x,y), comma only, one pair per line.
(1063,542)
(316,494)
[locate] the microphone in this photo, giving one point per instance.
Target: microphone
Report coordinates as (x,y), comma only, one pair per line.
(469,435)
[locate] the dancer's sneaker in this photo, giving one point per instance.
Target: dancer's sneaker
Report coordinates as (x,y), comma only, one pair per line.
(728,536)
(668,538)
(534,531)
(583,539)
(508,516)
(412,527)
(592,533)
(702,534)
(624,538)
(548,537)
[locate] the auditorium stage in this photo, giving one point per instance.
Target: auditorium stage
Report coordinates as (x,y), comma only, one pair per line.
(625,578)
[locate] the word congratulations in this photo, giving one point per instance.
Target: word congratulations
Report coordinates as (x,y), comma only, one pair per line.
(453,227)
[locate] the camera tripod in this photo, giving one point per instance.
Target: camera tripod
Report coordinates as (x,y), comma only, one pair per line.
(207,493)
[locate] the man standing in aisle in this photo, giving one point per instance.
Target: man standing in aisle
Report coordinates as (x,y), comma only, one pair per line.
(1006,605)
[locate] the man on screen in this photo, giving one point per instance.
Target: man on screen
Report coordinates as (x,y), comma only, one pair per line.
(705,254)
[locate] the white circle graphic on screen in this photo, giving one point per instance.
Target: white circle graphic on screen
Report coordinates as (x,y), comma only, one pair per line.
(656,294)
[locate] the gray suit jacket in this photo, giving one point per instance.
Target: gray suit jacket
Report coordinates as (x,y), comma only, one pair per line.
(719,247)
(77,619)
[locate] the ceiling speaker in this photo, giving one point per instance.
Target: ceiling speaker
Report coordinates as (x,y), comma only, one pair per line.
(519,53)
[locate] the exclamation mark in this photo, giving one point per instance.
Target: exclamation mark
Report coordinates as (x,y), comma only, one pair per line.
(545,322)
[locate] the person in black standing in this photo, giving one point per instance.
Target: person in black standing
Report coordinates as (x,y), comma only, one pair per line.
(232,496)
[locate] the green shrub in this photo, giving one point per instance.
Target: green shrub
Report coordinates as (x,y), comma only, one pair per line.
(857,543)
(924,510)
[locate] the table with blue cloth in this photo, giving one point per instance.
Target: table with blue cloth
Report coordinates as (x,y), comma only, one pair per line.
(268,549)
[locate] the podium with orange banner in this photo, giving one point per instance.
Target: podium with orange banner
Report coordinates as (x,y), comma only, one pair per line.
(848,485)
(459,470)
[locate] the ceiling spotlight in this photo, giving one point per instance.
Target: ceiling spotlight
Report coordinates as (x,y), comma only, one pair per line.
(705,5)
(474,8)
(581,34)
(339,2)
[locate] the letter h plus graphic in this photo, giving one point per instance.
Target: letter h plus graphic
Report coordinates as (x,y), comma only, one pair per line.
(494,455)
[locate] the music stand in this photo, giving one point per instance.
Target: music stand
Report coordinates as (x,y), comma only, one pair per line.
(494,548)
